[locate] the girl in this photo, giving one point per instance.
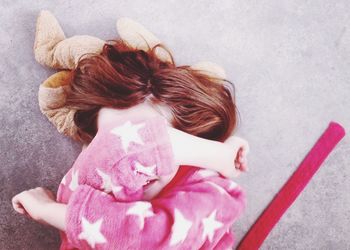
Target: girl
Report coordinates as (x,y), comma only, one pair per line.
(153,180)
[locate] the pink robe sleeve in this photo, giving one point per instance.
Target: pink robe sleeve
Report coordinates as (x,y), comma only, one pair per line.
(123,158)
(194,211)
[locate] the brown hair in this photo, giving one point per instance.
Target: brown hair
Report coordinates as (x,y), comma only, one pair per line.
(121,77)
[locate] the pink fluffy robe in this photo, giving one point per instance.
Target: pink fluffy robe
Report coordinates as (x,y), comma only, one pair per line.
(104,190)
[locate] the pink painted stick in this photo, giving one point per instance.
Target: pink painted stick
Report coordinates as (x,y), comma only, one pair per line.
(292,188)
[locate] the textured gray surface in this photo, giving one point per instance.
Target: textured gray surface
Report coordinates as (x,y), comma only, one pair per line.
(289,61)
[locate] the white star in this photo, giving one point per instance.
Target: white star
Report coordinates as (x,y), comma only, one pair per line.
(219,188)
(63,180)
(180,228)
(146,170)
(74,182)
(128,132)
(141,209)
(107,184)
(116,189)
(233,185)
(210,224)
(92,232)
(207,173)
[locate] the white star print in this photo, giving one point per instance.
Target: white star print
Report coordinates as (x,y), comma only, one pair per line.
(219,188)
(141,209)
(74,182)
(233,185)
(180,228)
(63,180)
(146,170)
(128,132)
(207,173)
(107,184)
(116,189)
(210,224)
(92,232)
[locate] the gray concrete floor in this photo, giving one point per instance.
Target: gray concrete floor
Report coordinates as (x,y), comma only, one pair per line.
(289,61)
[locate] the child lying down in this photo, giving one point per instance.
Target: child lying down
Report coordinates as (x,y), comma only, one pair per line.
(146,179)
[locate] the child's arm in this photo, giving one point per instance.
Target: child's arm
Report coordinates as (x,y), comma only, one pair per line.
(39,204)
(228,158)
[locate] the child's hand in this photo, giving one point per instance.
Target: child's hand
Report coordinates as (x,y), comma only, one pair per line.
(241,149)
(33,202)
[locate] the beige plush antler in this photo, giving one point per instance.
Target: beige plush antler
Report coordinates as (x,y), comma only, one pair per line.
(138,37)
(53,49)
(210,69)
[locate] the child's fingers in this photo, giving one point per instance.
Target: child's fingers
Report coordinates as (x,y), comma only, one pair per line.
(241,164)
(242,156)
(237,165)
(19,209)
(16,204)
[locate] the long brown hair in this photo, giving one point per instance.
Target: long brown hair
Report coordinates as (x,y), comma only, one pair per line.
(121,77)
